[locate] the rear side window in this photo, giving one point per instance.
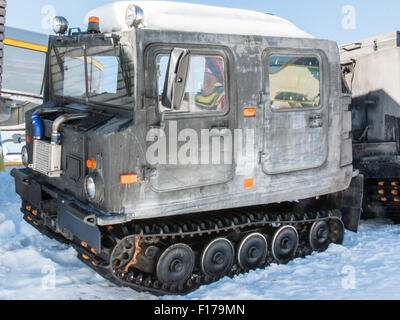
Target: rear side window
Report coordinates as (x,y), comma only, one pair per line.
(294,82)
(206,84)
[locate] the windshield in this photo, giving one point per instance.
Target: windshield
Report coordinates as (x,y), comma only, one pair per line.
(97,74)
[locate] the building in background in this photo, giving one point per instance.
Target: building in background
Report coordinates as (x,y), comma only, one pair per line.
(22,82)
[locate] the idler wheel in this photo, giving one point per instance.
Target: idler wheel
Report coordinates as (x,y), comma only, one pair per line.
(284,244)
(319,236)
(176,264)
(253,251)
(336,231)
(217,258)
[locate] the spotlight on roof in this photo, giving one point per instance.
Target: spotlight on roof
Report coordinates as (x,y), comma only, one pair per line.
(94,25)
(60,25)
(134,16)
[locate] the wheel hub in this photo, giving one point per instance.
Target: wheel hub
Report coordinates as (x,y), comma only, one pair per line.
(284,244)
(253,251)
(319,236)
(176,264)
(217,258)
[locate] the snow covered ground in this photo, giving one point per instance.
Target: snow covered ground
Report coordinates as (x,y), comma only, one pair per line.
(367,266)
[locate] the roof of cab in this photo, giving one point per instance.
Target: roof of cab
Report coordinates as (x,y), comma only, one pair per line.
(178,16)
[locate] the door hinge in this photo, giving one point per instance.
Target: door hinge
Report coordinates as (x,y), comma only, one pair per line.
(316,121)
(261,157)
(262,98)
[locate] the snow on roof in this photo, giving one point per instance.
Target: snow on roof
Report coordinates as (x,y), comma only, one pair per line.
(177,16)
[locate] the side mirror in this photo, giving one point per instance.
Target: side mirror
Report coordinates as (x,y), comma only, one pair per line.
(176,78)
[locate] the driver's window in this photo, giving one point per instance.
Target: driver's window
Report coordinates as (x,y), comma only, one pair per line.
(205,88)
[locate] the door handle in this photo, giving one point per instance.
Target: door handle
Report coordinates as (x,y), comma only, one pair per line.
(316,121)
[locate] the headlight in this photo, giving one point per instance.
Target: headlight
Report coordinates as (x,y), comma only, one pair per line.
(94,188)
(25,156)
(60,25)
(134,16)
(90,187)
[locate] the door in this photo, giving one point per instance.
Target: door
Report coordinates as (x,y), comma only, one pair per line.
(192,144)
(296,115)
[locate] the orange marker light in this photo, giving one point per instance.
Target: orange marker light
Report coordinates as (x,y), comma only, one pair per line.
(91,164)
(249,112)
(94,19)
(249,183)
(28,139)
(129,178)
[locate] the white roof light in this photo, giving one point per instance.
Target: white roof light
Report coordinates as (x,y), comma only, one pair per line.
(134,16)
(60,25)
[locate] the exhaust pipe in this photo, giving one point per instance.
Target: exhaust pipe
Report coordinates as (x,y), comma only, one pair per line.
(55,132)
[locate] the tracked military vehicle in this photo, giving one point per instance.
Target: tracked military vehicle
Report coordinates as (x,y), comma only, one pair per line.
(370,69)
(190,144)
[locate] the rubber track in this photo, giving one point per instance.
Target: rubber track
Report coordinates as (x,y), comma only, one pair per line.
(192,228)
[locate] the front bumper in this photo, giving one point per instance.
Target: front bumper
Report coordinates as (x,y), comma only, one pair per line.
(57,211)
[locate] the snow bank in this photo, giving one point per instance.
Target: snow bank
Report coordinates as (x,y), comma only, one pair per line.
(165,15)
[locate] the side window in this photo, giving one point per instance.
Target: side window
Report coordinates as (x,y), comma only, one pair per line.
(206,85)
(294,82)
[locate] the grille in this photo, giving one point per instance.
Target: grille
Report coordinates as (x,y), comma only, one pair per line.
(47,158)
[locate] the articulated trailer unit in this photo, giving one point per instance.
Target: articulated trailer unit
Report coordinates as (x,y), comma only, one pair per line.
(371,68)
